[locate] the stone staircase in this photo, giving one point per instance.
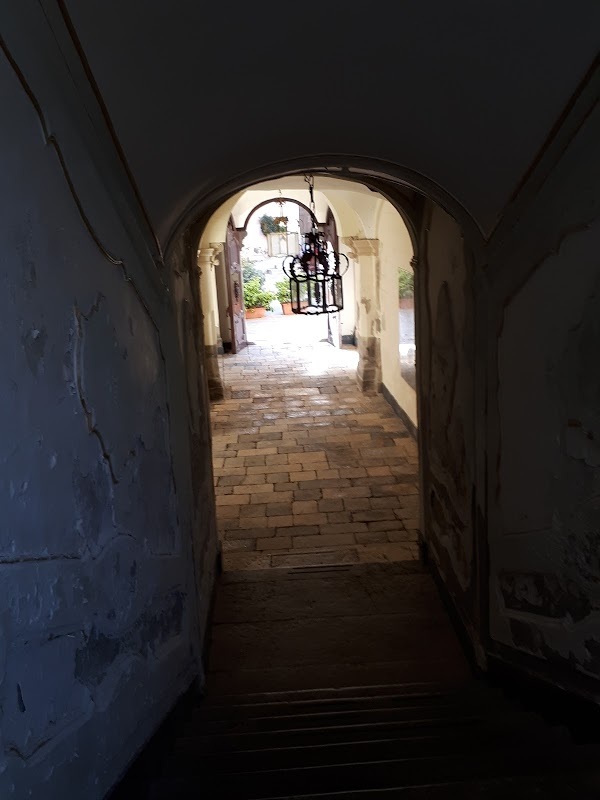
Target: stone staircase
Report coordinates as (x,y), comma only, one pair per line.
(411,741)
(275,724)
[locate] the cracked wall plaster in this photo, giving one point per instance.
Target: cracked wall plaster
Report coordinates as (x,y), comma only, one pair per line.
(105,560)
(447,428)
(544,425)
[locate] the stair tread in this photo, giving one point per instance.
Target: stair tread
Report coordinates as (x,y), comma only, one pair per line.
(487,697)
(381,774)
(445,726)
(333,689)
(357,751)
(407,689)
(344,674)
(419,708)
(557,786)
(361,717)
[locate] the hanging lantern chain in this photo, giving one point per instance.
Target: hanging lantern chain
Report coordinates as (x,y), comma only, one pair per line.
(311,189)
(281,220)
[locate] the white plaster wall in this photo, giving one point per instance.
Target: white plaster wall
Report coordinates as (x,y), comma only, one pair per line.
(216,227)
(395,252)
(544,423)
(100,577)
(445,360)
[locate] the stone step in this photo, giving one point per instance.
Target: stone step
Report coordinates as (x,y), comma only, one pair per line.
(465,743)
(306,695)
(447,726)
(342,674)
(329,719)
(496,778)
(399,772)
(356,709)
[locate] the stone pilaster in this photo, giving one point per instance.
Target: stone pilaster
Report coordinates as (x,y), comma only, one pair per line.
(365,254)
(221,278)
(210,311)
(368,371)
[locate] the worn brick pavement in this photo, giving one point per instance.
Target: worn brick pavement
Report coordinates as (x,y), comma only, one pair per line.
(308,470)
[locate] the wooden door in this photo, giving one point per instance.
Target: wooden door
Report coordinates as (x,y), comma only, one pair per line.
(305,223)
(334,327)
(235,289)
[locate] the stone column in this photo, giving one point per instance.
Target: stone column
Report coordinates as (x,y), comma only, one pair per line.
(221,278)
(210,313)
(365,254)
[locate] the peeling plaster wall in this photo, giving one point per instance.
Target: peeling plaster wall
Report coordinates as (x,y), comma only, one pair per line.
(195,446)
(446,377)
(544,423)
(396,252)
(107,530)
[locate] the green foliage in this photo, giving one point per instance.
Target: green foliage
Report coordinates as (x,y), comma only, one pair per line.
(255,296)
(268,224)
(406,283)
(283,291)
(249,271)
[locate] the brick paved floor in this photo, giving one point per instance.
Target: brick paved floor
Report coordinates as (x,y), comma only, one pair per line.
(308,470)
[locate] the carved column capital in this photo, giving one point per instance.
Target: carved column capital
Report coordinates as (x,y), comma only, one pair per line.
(206,259)
(361,247)
(218,247)
(240,234)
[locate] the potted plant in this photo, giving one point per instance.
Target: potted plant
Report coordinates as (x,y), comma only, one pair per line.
(406,289)
(256,299)
(268,225)
(284,295)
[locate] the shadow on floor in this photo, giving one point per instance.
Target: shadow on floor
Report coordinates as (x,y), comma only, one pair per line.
(350,683)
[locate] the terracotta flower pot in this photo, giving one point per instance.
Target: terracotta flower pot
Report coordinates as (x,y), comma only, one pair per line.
(286,308)
(255,313)
(406,302)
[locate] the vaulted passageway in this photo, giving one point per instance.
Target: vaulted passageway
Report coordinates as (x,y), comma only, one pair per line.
(116,151)
(312,464)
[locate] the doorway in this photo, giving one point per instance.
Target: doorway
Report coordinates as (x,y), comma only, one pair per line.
(311,470)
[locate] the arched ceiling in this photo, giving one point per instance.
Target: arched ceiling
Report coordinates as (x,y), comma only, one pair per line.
(463,93)
(354,206)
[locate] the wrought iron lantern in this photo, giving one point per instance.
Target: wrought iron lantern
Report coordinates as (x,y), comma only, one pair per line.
(315,274)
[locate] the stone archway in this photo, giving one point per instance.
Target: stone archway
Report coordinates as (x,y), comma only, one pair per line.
(448,248)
